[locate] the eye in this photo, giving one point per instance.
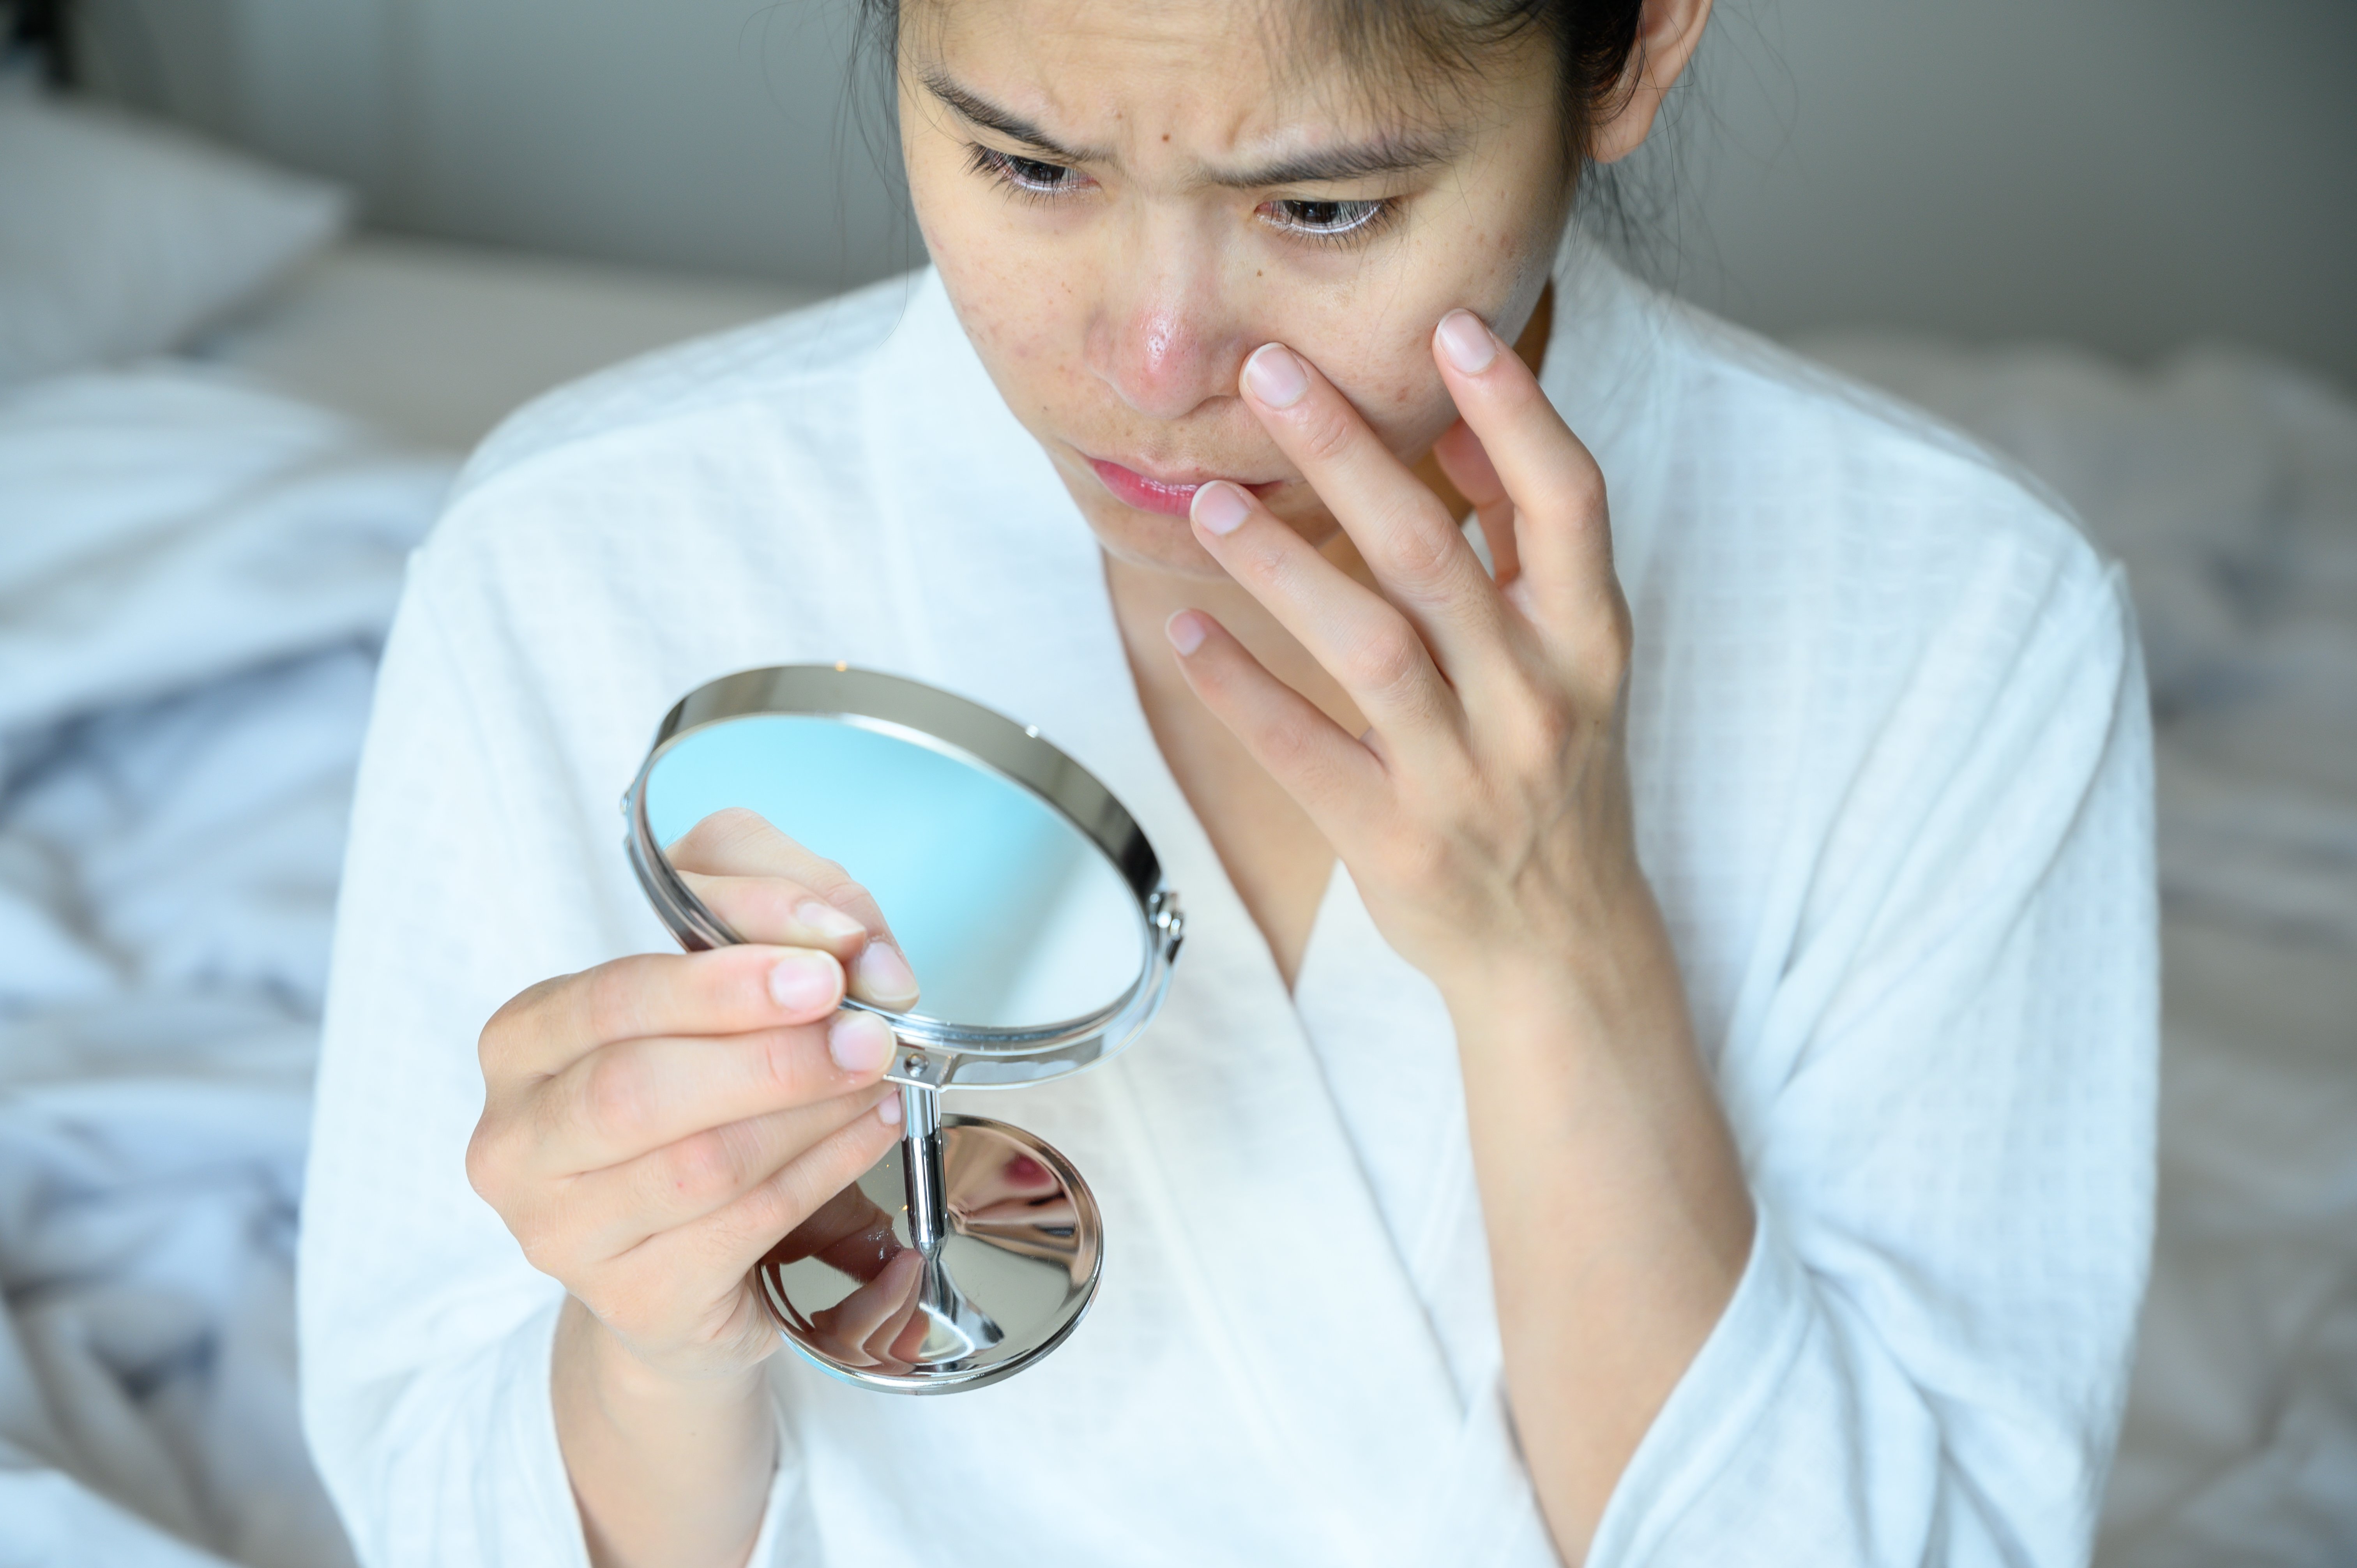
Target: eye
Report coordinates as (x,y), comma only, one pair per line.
(1326,220)
(1028,175)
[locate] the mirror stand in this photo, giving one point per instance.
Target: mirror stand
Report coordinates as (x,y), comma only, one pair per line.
(1032,905)
(1004,1244)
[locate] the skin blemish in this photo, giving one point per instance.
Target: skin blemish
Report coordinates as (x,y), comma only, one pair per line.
(1121,312)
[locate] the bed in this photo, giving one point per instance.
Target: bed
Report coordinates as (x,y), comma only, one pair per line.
(203,550)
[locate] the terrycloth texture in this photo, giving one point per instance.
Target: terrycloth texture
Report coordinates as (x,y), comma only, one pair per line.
(2228,484)
(194,575)
(1890,757)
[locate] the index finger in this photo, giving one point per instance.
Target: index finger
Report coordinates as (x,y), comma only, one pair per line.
(723,991)
(1417,551)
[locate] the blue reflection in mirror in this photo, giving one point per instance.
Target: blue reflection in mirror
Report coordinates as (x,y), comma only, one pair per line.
(1010,916)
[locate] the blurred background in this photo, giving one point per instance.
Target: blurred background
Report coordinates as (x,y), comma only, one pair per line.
(2131,174)
(269,268)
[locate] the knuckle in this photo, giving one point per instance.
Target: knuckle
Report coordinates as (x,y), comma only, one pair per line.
(1584,488)
(1326,432)
(1609,647)
(614,1099)
(1386,659)
(781,1062)
(1425,556)
(484,1162)
(506,1030)
(610,1000)
(543,1250)
(699,1167)
(1546,725)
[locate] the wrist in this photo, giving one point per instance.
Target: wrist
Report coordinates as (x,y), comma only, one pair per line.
(665,1468)
(1616,988)
(622,1378)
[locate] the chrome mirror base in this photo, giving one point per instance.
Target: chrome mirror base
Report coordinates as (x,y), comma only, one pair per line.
(871,1299)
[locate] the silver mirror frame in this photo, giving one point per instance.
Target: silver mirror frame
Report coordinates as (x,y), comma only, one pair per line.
(934,1053)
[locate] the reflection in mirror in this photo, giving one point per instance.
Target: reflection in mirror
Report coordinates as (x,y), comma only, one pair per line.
(849,1281)
(1010,915)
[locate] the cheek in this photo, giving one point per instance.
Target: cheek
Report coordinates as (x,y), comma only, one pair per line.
(1373,339)
(1388,375)
(1019,306)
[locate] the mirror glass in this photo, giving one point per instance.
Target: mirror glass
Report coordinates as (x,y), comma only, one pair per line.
(1010,915)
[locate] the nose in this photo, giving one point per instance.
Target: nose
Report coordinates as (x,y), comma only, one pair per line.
(1163,337)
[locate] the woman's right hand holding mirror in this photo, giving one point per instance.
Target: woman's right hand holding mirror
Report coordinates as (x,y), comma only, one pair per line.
(651,1127)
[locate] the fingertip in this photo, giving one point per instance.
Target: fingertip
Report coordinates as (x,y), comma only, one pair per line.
(805,982)
(828,923)
(1276,377)
(1219,508)
(1186,630)
(888,1109)
(882,976)
(1466,341)
(860,1043)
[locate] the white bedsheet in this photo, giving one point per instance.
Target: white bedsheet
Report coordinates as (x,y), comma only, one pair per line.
(193,578)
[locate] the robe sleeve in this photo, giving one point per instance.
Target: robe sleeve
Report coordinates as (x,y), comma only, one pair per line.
(424,1335)
(1945,1104)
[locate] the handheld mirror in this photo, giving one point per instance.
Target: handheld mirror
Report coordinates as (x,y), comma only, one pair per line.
(1032,909)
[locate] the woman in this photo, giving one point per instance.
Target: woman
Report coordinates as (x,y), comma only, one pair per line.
(1662,1067)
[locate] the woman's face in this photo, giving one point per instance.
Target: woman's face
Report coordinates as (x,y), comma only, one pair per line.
(1125,197)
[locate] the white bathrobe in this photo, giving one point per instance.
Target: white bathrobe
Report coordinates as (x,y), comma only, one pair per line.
(1891,768)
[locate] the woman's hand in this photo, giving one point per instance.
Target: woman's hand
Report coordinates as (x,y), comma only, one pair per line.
(651,1129)
(1485,816)
(652,1126)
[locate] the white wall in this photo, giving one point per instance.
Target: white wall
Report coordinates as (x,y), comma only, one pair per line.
(2131,173)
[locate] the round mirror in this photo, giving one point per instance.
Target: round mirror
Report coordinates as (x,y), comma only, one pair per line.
(1027,901)
(1031,907)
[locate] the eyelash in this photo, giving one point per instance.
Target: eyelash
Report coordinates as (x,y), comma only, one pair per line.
(1343,222)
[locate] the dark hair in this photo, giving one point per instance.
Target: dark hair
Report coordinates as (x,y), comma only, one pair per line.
(1442,45)
(1438,46)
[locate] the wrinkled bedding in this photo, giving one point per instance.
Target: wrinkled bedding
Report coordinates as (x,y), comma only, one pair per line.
(193,583)
(195,576)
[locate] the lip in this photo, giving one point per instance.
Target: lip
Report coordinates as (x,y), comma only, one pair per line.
(1173,498)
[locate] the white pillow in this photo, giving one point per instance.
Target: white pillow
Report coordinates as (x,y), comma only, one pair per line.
(120,237)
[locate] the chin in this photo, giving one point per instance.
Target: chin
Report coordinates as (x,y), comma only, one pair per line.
(1154,540)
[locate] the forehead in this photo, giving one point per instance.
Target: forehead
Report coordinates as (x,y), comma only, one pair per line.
(1225,75)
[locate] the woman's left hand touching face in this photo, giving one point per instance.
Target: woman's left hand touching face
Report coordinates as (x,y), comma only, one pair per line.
(1485,812)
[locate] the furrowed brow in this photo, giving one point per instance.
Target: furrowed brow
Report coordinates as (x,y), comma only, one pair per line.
(989,116)
(1326,165)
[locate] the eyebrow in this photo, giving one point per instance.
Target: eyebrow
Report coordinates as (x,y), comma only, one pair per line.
(1384,154)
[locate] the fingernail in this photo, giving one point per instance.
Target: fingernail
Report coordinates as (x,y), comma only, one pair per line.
(859,1042)
(826,920)
(1221,508)
(1275,376)
(1186,631)
(888,1109)
(805,982)
(883,975)
(1469,345)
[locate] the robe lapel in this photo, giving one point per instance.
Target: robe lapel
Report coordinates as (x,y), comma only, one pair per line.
(1251,1172)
